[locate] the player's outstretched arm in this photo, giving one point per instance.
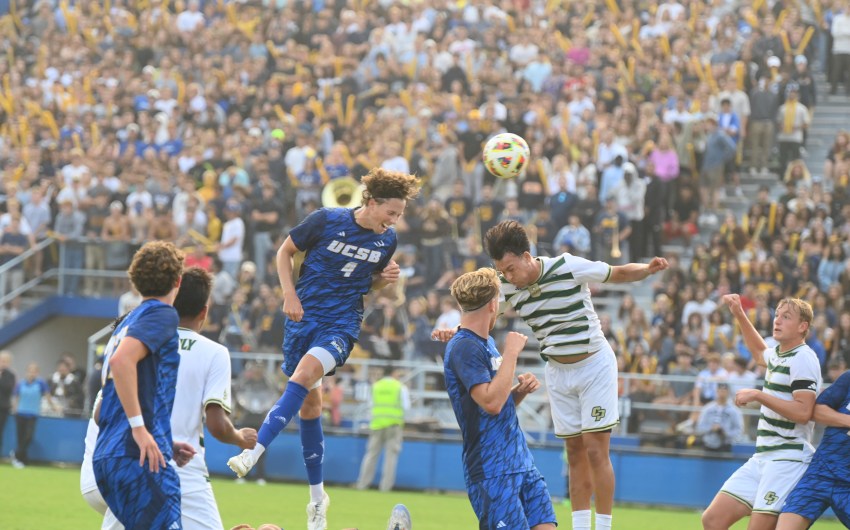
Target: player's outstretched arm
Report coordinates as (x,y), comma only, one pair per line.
(754,342)
(826,415)
(492,396)
(799,410)
(219,425)
(291,303)
(635,272)
(123,365)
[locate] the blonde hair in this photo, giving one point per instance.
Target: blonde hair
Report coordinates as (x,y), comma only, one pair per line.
(804,309)
(473,290)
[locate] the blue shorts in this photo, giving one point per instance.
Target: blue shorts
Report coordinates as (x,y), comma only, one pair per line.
(138,498)
(516,502)
(814,493)
(300,337)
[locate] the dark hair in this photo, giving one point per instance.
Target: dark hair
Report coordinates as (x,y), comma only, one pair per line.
(194,292)
(506,237)
(155,268)
(384,184)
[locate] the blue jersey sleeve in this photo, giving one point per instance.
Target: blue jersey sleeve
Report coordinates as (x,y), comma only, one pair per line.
(834,396)
(308,232)
(149,328)
(470,362)
(390,253)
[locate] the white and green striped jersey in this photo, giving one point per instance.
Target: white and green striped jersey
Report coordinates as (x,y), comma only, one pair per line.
(558,307)
(797,370)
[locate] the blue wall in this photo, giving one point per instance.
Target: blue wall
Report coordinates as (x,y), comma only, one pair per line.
(641,478)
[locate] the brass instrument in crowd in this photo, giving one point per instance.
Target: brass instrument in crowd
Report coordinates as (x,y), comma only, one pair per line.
(615,244)
(343,192)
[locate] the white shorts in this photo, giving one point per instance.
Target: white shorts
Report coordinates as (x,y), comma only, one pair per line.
(199,510)
(584,394)
(763,485)
(95,500)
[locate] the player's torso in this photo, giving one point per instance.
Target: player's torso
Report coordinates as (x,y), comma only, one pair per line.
(832,458)
(778,436)
(338,268)
(558,309)
(156,380)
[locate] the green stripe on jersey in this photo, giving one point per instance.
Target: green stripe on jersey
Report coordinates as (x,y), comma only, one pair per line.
(779,369)
(782,424)
(567,276)
(777,387)
(555,311)
(572,343)
(549,296)
(763,432)
(565,331)
(560,261)
(780,447)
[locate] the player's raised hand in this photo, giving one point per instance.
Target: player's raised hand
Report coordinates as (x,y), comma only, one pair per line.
(443,335)
(148,450)
(733,302)
(391,272)
(657,265)
(514,343)
(746,396)
(183,453)
(528,383)
(249,438)
(292,308)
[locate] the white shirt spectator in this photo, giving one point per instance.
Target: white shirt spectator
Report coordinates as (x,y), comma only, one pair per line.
(396,163)
(522,54)
(495,111)
(704,308)
(137,202)
(448,320)
(841,33)
(232,228)
(608,152)
(190,20)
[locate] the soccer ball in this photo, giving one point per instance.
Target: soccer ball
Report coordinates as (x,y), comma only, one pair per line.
(506,155)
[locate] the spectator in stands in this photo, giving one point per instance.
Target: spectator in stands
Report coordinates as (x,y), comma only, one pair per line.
(705,389)
(66,390)
(26,405)
(69,228)
(12,244)
(792,120)
(232,238)
(840,60)
(720,422)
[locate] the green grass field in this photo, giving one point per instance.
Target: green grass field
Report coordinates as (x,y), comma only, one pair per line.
(41,497)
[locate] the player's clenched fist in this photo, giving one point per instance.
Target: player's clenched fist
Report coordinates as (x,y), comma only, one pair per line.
(733,302)
(515,343)
(292,308)
(528,383)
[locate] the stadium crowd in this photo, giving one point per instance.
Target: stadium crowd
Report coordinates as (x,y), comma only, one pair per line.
(217,125)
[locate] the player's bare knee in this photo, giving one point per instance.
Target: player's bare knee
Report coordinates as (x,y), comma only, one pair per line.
(576,449)
(712,519)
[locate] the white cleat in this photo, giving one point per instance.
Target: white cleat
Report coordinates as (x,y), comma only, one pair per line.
(242,463)
(317,513)
(400,518)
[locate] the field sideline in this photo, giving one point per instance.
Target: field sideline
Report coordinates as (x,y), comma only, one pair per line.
(50,498)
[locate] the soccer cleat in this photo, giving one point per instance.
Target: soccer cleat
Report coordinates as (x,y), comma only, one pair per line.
(242,463)
(400,518)
(317,513)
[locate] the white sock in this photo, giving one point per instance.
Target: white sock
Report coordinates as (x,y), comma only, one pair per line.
(603,522)
(258,451)
(581,520)
(316,491)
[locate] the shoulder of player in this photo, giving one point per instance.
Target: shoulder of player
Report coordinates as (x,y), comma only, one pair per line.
(204,344)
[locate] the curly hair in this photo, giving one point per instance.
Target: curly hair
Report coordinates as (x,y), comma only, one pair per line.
(382,184)
(194,292)
(156,268)
(473,290)
(506,237)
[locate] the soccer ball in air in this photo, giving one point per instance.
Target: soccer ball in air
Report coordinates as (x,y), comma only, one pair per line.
(506,155)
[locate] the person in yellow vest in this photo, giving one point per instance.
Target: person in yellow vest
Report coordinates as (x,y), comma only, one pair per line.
(390,399)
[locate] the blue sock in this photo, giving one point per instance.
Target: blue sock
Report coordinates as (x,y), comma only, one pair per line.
(282,413)
(313,445)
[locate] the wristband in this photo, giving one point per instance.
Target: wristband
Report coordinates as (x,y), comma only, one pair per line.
(136,421)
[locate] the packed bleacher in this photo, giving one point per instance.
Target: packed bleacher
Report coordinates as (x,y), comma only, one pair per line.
(218,125)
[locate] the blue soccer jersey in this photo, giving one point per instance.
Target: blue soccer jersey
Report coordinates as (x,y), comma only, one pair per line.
(154,324)
(832,458)
(341,257)
(492,445)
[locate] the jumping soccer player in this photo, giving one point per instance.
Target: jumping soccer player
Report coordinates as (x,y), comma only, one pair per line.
(760,487)
(348,252)
(504,486)
(141,360)
(826,482)
(553,298)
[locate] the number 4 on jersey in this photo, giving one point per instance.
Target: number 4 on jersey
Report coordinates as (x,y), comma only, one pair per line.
(349,268)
